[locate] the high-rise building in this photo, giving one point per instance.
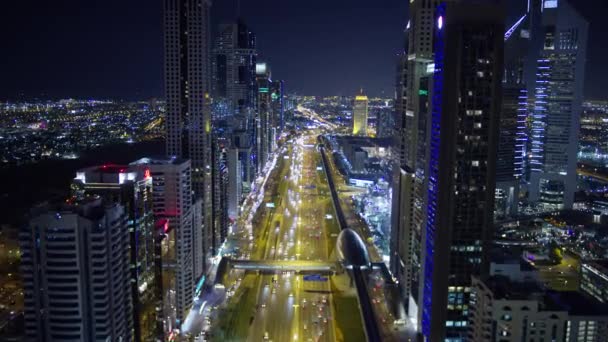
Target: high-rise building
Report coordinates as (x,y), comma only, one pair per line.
(360,114)
(385,123)
(412,110)
(511,150)
(220,193)
(558,106)
(242,141)
(513,130)
(278,109)
(462,145)
(233,60)
(448,107)
(187,83)
(234,90)
(173,201)
(235,191)
(75,269)
(131,187)
(264,130)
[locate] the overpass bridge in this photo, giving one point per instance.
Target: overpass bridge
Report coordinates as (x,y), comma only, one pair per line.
(298,266)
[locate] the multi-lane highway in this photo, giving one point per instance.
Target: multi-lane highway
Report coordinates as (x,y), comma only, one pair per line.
(296,222)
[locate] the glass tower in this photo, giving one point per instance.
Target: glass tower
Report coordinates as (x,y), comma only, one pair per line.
(557,108)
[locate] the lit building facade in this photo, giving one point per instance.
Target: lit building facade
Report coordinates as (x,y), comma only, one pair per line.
(594,280)
(173,201)
(462,145)
(235,186)
(75,269)
(513,131)
(385,127)
(360,114)
(132,188)
(277,96)
(187,84)
(233,61)
(557,107)
(220,193)
(508,311)
(264,131)
(412,108)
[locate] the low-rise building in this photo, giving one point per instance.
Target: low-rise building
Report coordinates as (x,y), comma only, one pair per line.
(504,311)
(594,280)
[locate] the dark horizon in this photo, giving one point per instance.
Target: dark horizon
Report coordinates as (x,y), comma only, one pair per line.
(71,50)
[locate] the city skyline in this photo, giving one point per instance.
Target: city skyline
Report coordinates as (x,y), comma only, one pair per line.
(125,62)
(468,202)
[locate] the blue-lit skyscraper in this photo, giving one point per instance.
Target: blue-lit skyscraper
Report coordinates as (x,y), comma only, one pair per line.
(410,181)
(557,108)
(465,101)
(513,131)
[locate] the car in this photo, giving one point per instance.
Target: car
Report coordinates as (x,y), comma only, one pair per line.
(263,305)
(266,336)
(290,295)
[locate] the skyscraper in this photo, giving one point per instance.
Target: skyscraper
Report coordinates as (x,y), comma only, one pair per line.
(385,119)
(278,111)
(412,109)
(234,184)
(264,131)
(513,131)
(234,90)
(132,188)
(187,83)
(220,192)
(233,61)
(173,201)
(75,269)
(558,106)
(360,114)
(447,142)
(462,145)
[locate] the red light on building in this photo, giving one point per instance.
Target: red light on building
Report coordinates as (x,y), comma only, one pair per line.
(147,173)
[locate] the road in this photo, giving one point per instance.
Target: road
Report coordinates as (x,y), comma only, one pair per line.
(297,223)
(561,277)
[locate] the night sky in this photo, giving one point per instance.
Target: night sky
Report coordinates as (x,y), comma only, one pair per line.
(113,48)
